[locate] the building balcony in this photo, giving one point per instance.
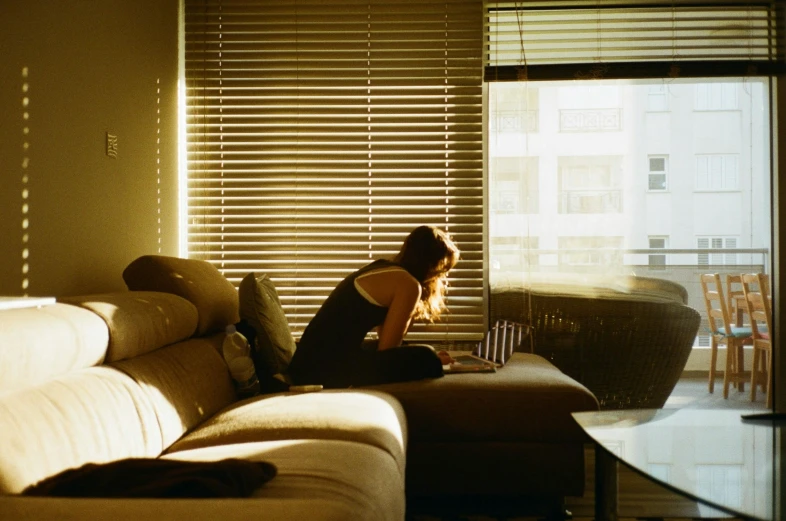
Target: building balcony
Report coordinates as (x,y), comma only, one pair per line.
(590,201)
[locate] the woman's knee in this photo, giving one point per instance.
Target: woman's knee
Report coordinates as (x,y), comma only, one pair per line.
(412,362)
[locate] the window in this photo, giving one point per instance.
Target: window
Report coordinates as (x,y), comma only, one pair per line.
(686,89)
(590,184)
(585,107)
(658,98)
(720,483)
(590,252)
(515,109)
(658,261)
(717,172)
(600,190)
(320,133)
(657,173)
(660,471)
(515,182)
(514,253)
(716,96)
(717,257)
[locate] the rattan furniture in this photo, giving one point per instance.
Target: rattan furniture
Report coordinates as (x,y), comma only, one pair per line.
(627,339)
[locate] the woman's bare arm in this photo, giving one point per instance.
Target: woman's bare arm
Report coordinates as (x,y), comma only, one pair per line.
(405,296)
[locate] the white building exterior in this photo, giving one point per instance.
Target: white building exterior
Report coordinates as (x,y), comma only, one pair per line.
(581,172)
(630,166)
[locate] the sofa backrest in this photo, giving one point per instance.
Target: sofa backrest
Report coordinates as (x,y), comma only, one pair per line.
(112,376)
(140,321)
(91,415)
(37,344)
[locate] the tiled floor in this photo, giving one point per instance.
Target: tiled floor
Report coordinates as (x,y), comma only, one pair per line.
(692,392)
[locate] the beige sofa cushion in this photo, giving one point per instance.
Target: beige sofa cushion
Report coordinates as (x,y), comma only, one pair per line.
(94,415)
(527,400)
(140,321)
(195,280)
(341,480)
(39,343)
(368,417)
(186,383)
(316,481)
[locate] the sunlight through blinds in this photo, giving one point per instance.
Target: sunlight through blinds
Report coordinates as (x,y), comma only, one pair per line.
(588,39)
(321,133)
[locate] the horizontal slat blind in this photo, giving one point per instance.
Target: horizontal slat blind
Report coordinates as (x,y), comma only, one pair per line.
(737,36)
(320,133)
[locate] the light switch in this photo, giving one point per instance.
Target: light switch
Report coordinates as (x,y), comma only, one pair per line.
(111,145)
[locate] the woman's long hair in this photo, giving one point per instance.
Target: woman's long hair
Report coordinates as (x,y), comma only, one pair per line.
(428,254)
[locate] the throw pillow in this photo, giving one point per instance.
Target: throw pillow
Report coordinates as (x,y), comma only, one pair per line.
(261,308)
(195,280)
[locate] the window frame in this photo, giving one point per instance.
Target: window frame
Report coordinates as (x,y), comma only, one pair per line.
(664,172)
(710,173)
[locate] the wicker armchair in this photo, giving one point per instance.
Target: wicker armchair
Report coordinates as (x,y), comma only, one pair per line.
(626,339)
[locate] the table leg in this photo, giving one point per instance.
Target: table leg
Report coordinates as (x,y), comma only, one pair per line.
(605,485)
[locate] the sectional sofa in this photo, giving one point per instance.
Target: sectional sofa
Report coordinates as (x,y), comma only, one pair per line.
(138,375)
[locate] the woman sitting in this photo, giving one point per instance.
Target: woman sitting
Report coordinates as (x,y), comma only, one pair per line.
(387,295)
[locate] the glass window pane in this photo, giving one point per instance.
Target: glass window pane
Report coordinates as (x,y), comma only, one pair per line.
(618,182)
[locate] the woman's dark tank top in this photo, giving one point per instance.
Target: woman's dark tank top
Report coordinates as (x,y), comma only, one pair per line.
(337,330)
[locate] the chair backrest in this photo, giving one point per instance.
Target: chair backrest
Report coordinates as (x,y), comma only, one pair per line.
(717,309)
(765,284)
(755,287)
(733,291)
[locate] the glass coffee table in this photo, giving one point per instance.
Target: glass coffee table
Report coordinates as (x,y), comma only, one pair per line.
(711,456)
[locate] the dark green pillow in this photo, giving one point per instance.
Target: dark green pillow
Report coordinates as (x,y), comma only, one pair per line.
(261,308)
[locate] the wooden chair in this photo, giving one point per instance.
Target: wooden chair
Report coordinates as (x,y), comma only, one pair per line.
(735,298)
(723,331)
(756,289)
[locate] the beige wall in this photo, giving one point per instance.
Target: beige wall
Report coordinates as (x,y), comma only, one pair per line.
(93,66)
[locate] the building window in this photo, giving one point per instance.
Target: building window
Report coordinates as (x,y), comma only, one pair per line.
(513,253)
(590,120)
(657,98)
(589,108)
(717,172)
(716,96)
(657,261)
(514,185)
(717,258)
(657,173)
(514,109)
(660,471)
(590,252)
(590,184)
(720,483)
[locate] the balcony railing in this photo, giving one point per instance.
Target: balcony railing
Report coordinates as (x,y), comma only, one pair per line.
(681,266)
(590,120)
(514,121)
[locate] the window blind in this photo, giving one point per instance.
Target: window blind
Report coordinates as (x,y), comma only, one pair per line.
(320,133)
(589,39)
